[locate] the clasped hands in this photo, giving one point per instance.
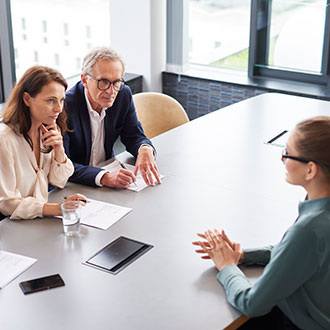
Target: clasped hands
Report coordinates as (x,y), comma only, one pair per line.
(145,163)
(219,248)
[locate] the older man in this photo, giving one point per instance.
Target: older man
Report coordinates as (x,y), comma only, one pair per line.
(100,108)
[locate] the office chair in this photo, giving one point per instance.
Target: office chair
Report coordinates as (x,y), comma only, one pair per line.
(158,113)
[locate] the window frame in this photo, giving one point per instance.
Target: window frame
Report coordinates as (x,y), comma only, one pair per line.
(258,48)
(7,57)
(260,15)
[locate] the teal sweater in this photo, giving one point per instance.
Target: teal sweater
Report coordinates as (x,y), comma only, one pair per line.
(297,275)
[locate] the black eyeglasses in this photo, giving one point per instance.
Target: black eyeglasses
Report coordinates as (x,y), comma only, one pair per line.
(299,159)
(103,84)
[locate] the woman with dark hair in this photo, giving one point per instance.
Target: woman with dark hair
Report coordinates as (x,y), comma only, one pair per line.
(31,145)
(293,291)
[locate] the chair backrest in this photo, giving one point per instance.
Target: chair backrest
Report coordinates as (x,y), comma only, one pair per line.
(158,113)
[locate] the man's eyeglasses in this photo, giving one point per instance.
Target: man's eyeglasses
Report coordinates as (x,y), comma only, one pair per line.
(299,159)
(103,84)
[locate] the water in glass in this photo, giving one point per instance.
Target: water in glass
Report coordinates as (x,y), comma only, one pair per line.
(71,224)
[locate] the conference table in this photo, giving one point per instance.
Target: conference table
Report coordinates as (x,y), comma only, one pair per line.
(219,173)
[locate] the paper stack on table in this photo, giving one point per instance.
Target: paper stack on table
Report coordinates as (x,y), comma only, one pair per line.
(12,265)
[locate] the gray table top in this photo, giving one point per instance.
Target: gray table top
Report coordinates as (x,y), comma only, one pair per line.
(219,174)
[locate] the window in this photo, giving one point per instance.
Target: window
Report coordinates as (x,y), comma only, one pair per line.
(57,24)
(78,63)
(219,33)
(88,32)
(286,39)
(57,60)
(44,26)
(25,31)
(296,35)
(290,40)
(23,23)
(36,56)
(66,29)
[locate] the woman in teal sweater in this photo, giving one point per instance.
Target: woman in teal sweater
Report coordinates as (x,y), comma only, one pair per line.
(294,290)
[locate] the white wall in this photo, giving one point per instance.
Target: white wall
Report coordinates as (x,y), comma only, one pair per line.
(138,34)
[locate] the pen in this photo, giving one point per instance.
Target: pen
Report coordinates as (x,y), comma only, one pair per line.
(125,168)
(79,199)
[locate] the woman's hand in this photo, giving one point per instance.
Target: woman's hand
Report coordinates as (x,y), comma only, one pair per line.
(224,236)
(220,249)
(76,197)
(51,137)
(54,209)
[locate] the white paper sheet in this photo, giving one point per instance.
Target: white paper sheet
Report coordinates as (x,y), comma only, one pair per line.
(102,215)
(12,265)
(139,183)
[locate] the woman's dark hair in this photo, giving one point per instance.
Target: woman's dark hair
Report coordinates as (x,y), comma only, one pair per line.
(313,141)
(17,115)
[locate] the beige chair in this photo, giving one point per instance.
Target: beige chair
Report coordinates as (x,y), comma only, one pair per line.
(158,113)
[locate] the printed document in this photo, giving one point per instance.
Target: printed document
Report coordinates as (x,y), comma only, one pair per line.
(12,265)
(101,214)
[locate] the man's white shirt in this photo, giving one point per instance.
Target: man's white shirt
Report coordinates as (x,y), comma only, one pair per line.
(97,130)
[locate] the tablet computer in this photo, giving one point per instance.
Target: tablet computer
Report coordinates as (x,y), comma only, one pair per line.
(117,255)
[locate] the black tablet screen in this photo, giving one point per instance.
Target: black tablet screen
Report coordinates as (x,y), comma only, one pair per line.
(118,254)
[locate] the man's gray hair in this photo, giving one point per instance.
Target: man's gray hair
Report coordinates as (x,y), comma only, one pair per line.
(100,53)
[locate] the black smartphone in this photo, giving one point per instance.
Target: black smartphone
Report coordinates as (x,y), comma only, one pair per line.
(42,283)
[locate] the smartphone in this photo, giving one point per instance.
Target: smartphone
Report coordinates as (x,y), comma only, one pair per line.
(42,283)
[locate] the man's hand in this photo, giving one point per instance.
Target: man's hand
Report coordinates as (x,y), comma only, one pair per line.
(145,163)
(118,179)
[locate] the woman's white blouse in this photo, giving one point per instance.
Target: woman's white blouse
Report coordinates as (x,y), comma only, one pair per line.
(24,185)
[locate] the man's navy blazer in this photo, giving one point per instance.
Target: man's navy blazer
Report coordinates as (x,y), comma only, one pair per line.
(120,120)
